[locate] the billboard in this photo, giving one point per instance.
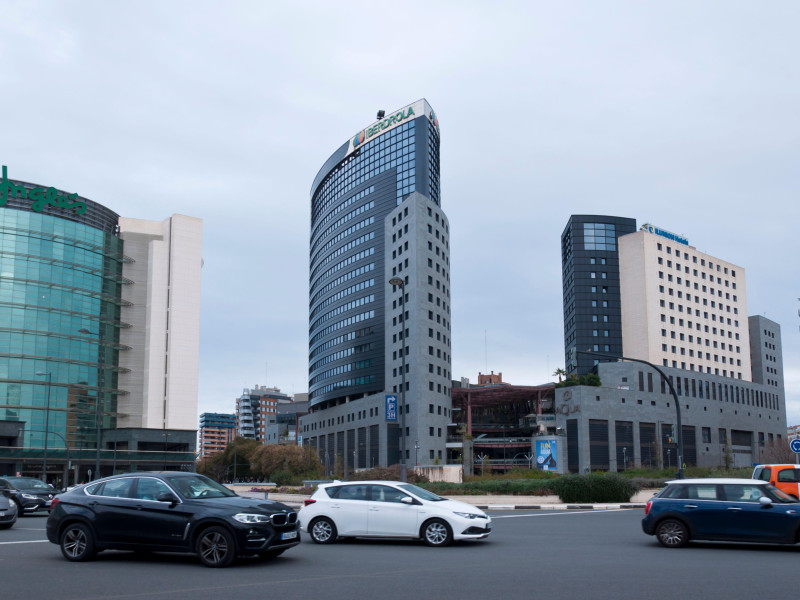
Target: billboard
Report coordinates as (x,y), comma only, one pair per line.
(547,455)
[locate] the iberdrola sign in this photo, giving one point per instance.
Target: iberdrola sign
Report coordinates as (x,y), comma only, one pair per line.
(370,132)
(39,197)
(389,122)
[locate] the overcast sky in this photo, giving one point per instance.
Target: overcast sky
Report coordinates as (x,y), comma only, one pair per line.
(682,114)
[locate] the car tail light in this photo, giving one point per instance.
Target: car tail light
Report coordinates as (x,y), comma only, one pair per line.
(54,502)
(647,508)
(308,501)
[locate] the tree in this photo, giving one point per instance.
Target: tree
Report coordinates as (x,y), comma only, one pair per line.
(287,464)
(559,373)
(777,452)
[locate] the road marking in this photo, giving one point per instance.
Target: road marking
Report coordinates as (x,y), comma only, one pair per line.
(551,514)
(27,542)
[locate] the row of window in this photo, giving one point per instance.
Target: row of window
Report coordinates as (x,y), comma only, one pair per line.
(343,323)
(694,259)
(341,265)
(369,160)
(339,251)
(346,277)
(356,366)
(347,337)
(361,285)
(340,236)
(341,354)
(696,273)
(340,208)
(339,223)
(343,308)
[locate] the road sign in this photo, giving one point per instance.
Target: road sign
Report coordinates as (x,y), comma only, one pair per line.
(795,446)
(391,407)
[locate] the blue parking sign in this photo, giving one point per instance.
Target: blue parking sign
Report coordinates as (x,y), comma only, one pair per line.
(391,407)
(795,446)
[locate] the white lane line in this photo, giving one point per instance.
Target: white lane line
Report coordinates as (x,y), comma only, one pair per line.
(28,542)
(551,514)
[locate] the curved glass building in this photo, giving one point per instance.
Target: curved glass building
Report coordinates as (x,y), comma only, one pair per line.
(60,297)
(376,216)
(87,336)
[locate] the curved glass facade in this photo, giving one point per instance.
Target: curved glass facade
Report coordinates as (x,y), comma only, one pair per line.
(60,298)
(359,185)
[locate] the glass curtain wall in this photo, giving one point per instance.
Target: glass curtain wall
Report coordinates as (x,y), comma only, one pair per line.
(60,296)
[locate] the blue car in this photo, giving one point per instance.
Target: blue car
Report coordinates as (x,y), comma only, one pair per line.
(738,510)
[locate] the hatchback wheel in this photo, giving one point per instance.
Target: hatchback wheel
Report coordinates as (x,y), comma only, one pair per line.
(77,542)
(323,531)
(215,547)
(437,533)
(672,533)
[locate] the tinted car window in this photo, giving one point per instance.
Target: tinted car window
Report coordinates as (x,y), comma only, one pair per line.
(148,488)
(117,488)
(674,491)
(384,493)
(199,486)
(789,475)
(742,493)
(352,492)
(763,474)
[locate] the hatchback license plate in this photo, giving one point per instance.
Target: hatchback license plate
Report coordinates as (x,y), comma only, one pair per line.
(289,535)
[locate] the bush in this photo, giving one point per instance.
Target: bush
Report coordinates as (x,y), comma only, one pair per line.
(594,487)
(386,474)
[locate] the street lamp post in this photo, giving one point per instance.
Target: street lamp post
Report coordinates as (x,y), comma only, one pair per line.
(397,281)
(671,389)
(99,402)
(46,421)
(416,453)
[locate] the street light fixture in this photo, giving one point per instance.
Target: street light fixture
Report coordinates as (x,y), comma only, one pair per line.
(397,281)
(99,402)
(46,420)
(668,381)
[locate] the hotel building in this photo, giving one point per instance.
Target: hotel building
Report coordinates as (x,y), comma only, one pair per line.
(685,312)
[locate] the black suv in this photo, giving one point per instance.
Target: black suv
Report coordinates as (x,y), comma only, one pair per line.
(30,494)
(172,512)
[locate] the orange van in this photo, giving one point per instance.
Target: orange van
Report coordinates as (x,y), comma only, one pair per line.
(783,477)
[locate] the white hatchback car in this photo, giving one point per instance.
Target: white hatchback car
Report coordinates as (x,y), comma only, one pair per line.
(389,509)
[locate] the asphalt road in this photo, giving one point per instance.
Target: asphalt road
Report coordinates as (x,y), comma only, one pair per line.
(548,554)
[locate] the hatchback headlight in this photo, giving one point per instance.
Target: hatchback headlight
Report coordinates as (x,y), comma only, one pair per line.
(251,518)
(468,515)
(29,497)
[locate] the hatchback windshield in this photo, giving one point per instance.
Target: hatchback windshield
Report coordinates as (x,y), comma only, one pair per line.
(198,486)
(420,493)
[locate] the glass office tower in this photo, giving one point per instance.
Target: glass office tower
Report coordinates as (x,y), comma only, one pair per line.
(376,216)
(590,286)
(60,297)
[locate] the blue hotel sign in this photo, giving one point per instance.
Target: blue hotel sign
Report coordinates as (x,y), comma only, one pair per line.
(391,407)
(666,234)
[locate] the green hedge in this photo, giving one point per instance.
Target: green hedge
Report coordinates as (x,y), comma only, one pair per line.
(506,487)
(594,487)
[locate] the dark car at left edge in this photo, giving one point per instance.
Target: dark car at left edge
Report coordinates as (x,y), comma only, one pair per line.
(169,512)
(29,494)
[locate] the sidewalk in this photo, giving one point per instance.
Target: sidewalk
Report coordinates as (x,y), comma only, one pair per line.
(489,502)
